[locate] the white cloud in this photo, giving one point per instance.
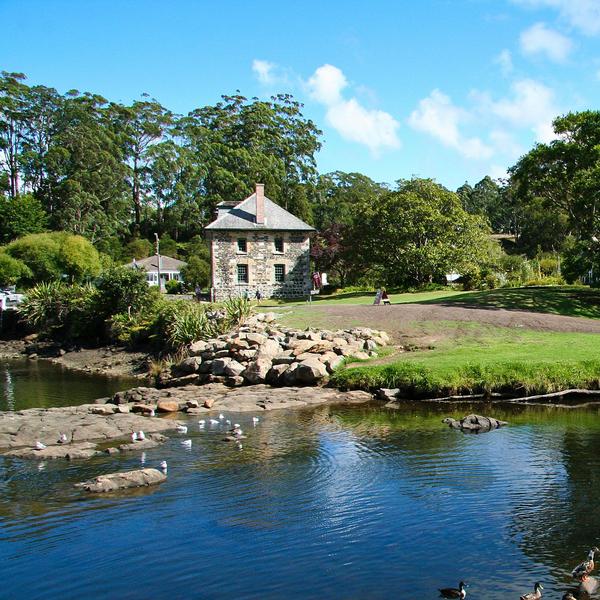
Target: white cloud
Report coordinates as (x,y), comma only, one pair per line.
(504,60)
(505,143)
(583,15)
(531,105)
(539,39)
(264,71)
(440,118)
(375,129)
(326,84)
(497,172)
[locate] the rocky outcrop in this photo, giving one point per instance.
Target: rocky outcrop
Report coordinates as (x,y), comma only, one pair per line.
(87,430)
(474,423)
(262,352)
(119,481)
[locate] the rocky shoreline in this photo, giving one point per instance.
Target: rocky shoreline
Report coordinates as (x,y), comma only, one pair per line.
(107,425)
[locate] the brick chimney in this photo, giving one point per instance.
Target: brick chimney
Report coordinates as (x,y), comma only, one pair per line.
(260,203)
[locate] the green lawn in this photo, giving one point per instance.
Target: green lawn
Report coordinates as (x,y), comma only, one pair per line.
(576,301)
(486,359)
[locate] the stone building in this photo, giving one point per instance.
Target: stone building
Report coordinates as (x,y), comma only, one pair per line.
(258,245)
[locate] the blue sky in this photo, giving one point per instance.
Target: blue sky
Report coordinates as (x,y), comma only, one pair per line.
(447,89)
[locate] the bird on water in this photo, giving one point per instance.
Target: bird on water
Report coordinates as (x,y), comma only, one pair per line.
(536,594)
(582,571)
(459,592)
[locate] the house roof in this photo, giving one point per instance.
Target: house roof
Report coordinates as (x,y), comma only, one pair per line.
(167,263)
(242,216)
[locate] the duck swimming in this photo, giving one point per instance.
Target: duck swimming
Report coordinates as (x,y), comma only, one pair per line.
(536,594)
(458,592)
(181,428)
(583,570)
(568,596)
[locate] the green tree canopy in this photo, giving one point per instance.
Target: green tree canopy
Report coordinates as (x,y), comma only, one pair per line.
(19,216)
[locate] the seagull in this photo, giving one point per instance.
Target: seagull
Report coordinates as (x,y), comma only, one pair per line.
(221,416)
(255,420)
(141,436)
(152,413)
(237,431)
(213,421)
(62,439)
(163,465)
(143,458)
(134,436)
(181,428)
(40,446)
(228,422)
(202,422)
(186,443)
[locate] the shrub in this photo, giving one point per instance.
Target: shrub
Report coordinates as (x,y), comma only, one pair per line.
(57,310)
(174,287)
(544,281)
(49,256)
(196,273)
(124,290)
(237,310)
(12,270)
(20,216)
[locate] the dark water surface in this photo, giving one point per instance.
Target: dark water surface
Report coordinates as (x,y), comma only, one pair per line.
(326,503)
(33,383)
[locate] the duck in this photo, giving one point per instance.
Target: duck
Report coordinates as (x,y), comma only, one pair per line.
(62,439)
(458,592)
(186,443)
(181,429)
(583,570)
(536,594)
(568,596)
(40,446)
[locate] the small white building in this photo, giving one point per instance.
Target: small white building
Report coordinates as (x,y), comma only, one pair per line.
(170,268)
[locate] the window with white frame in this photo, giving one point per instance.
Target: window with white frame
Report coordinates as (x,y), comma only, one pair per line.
(278,245)
(242,246)
(242,273)
(279,273)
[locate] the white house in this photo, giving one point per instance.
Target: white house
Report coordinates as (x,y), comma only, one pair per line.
(170,268)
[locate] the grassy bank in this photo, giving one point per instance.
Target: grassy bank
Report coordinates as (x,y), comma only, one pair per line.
(485,360)
(574,301)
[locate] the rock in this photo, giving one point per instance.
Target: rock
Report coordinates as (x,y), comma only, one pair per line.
(275,374)
(238,344)
(181,381)
(244,355)
(208,403)
(69,451)
(143,409)
(310,371)
(284,360)
(197,348)
(105,410)
(257,370)
(189,365)
(233,368)
(122,409)
(322,347)
(332,362)
(220,364)
(119,481)
(256,339)
(474,423)
(167,406)
(388,394)
(192,404)
(300,346)
(369,345)
(205,367)
(360,355)
(289,376)
(196,411)
(234,381)
(269,349)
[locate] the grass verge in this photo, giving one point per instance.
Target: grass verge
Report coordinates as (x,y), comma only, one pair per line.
(486,360)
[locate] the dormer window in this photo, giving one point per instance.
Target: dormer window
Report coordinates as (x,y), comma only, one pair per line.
(242,246)
(278,245)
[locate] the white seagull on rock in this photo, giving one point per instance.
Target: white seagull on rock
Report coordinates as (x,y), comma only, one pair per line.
(40,446)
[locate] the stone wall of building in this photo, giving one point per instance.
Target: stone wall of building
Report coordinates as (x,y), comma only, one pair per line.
(261,258)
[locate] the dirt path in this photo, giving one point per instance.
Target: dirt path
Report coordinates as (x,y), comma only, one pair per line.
(397,318)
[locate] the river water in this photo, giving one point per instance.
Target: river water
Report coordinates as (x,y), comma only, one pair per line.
(327,503)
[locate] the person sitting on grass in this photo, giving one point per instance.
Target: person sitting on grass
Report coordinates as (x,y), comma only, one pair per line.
(384,297)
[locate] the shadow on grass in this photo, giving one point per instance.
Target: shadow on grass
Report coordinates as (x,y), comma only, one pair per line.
(569,301)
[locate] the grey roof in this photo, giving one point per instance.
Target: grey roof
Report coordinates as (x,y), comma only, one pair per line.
(243,216)
(151,263)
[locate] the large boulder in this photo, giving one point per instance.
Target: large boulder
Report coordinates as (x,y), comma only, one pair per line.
(220,365)
(256,371)
(256,339)
(269,349)
(167,406)
(119,481)
(310,371)
(189,365)
(233,368)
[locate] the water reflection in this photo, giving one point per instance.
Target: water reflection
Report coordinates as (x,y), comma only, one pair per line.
(331,502)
